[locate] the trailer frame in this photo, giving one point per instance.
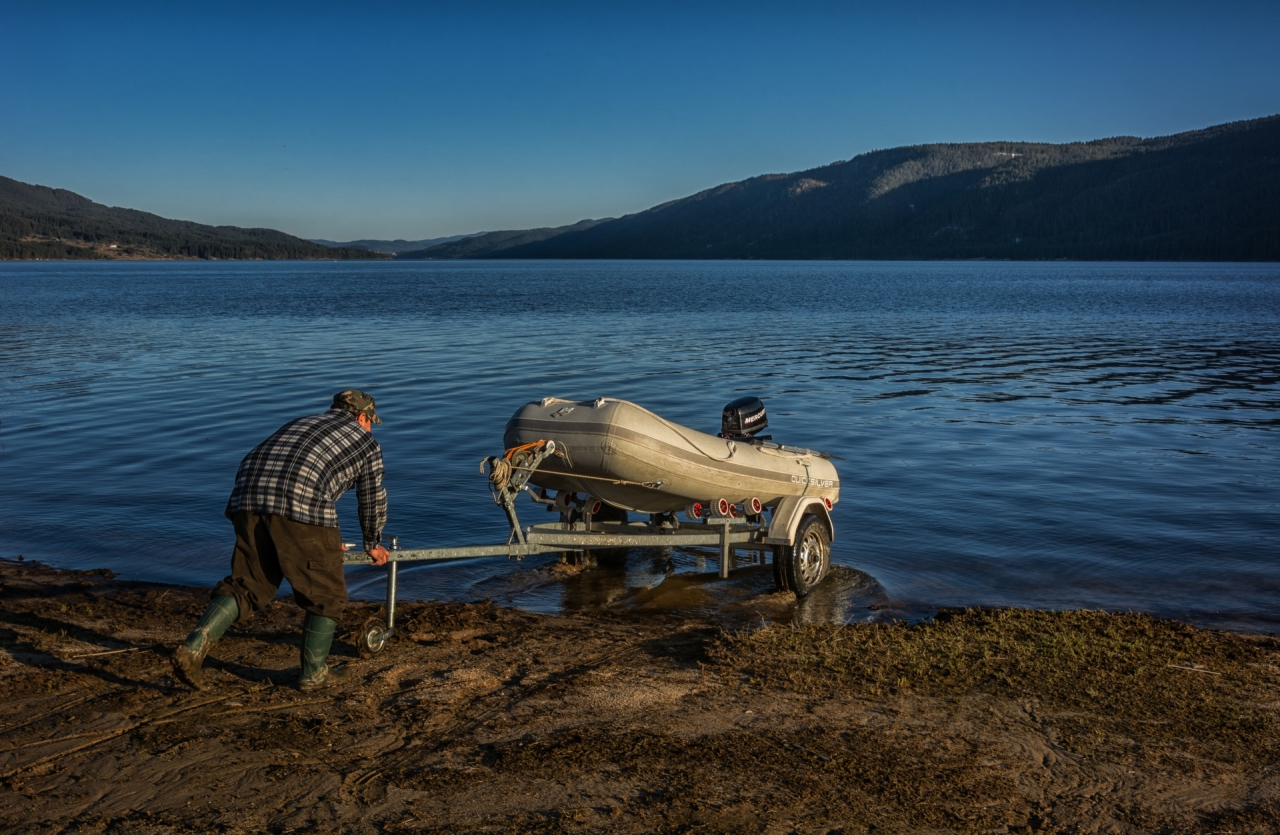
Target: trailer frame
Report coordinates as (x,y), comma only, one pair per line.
(578,532)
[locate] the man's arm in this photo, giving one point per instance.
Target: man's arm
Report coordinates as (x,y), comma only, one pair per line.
(372,498)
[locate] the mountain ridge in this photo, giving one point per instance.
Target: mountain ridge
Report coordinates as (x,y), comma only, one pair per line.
(43,223)
(1209,194)
(394,247)
(493,242)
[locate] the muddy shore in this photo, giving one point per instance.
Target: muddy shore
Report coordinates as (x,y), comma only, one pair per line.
(482,718)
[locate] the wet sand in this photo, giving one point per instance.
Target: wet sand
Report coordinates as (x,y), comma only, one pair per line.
(483,718)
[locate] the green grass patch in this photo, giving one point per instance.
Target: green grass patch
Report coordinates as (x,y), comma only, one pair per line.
(1118,683)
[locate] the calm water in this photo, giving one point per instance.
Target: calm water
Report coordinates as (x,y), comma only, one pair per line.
(1049,435)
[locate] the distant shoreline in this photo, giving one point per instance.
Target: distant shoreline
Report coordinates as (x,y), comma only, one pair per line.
(193,259)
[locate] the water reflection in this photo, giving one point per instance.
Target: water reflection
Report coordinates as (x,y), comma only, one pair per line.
(846,596)
(652,580)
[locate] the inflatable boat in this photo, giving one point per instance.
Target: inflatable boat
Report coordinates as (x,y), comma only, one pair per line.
(633,459)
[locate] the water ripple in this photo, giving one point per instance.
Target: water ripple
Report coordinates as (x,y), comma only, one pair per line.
(1094,435)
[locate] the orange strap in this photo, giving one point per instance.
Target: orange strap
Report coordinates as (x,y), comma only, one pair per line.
(515,449)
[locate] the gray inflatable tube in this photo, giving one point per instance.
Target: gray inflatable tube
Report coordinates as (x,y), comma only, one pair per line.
(627,456)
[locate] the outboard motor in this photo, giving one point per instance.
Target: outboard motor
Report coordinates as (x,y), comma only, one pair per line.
(743,418)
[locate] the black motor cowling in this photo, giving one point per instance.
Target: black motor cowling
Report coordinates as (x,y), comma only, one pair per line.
(743,418)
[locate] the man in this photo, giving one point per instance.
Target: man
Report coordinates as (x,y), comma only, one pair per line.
(286,527)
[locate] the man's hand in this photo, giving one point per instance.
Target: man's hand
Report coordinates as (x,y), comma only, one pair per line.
(379,555)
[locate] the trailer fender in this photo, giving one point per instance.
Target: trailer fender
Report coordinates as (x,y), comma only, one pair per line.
(787,516)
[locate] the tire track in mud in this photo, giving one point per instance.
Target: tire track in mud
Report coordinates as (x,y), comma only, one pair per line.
(105,736)
(489,705)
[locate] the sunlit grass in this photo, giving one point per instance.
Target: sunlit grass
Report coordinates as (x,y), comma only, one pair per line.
(1109,680)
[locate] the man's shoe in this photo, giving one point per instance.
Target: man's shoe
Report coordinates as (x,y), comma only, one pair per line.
(187,667)
(317,637)
(188,659)
(324,677)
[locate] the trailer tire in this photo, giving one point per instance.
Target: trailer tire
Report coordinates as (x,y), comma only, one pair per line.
(802,566)
(367,642)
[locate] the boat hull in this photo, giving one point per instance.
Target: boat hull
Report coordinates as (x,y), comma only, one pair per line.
(631,458)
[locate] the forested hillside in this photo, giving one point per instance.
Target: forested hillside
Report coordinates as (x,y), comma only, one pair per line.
(46,223)
(392,247)
(489,244)
(1212,194)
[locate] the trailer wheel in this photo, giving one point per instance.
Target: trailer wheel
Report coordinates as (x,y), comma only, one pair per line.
(801,567)
(370,641)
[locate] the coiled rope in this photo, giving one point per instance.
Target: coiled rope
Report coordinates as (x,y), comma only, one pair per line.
(499,473)
(500,469)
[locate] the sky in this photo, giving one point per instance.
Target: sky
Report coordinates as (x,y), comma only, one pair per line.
(397,120)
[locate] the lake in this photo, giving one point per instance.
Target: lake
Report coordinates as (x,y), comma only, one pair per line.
(1030,434)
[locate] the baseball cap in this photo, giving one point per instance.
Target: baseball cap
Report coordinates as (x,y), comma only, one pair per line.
(357,403)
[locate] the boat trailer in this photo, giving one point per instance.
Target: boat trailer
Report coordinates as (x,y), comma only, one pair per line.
(799,534)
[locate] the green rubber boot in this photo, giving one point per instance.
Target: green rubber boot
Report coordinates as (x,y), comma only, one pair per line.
(317,637)
(188,659)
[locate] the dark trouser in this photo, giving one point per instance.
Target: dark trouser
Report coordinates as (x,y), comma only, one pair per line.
(272,548)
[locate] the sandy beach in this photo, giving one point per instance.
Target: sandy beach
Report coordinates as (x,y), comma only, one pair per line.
(478,718)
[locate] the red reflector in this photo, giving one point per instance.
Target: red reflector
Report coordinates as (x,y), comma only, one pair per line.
(827,502)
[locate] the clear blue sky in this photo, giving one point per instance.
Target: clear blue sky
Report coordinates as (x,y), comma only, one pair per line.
(421,120)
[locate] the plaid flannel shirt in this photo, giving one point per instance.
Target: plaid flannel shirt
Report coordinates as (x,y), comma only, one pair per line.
(301,470)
